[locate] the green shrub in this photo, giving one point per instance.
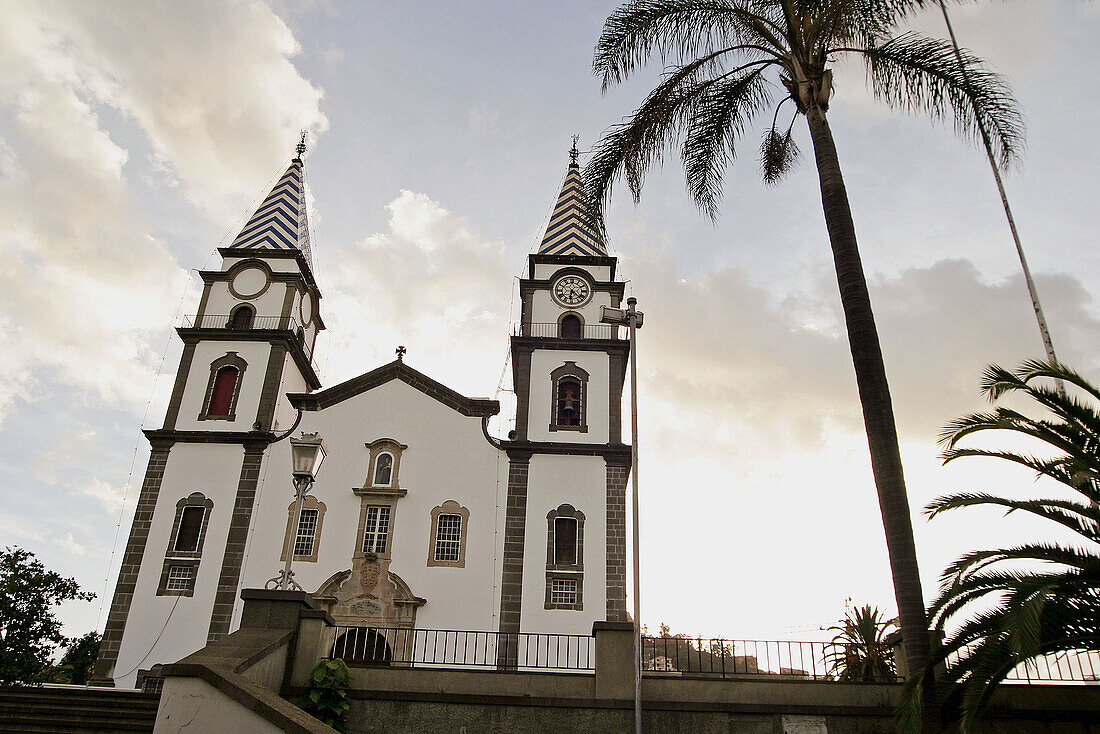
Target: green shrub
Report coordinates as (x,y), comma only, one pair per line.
(328,698)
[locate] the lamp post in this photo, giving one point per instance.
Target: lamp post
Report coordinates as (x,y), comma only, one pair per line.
(306,453)
(632,318)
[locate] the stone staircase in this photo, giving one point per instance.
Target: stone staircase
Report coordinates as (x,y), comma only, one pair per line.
(76,710)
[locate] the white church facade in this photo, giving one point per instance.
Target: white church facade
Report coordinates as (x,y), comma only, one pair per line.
(419,518)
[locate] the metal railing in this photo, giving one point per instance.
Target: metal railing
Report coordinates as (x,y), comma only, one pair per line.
(224,321)
(430,648)
(819,660)
(721,657)
(1074,666)
(255,323)
(586,331)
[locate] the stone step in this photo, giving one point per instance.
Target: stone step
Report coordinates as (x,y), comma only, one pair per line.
(64,710)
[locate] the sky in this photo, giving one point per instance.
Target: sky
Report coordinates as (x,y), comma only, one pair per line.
(135,138)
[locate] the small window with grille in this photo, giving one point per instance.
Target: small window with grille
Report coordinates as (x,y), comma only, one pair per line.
(376,529)
(563,591)
(179,578)
(307,533)
(448,537)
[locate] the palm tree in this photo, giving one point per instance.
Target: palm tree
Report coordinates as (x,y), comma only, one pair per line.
(1038,598)
(859,651)
(733,60)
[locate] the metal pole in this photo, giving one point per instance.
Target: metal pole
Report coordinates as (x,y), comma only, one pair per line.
(632,319)
(285,580)
(1044,331)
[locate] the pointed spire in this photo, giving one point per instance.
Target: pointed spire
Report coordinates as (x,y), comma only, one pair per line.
(570,231)
(280,222)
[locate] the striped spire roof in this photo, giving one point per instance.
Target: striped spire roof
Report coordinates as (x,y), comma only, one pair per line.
(280,222)
(569,231)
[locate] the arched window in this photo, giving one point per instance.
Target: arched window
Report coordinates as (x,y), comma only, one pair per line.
(383,470)
(226,376)
(225,388)
(571,326)
(569,385)
(242,317)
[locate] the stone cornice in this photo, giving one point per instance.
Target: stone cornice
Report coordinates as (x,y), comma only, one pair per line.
(590,260)
(192,335)
(396,370)
(616,454)
(253,441)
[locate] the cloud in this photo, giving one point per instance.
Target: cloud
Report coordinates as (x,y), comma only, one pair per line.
(89,285)
(430,282)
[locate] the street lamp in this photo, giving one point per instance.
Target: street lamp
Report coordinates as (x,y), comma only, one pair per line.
(306,455)
(633,319)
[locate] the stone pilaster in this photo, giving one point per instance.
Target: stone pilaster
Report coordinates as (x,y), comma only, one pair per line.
(511,582)
(233,559)
(616,541)
(131,564)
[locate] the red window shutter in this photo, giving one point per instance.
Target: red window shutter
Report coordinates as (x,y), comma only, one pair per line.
(225,384)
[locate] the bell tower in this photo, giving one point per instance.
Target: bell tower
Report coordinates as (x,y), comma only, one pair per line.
(249,344)
(567,461)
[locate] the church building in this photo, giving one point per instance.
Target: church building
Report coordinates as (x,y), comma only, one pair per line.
(420,518)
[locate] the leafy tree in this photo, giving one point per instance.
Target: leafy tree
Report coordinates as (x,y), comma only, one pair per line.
(29,631)
(731,61)
(860,653)
(79,659)
(1011,605)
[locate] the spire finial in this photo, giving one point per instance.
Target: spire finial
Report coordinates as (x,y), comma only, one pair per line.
(301,146)
(401,353)
(573,152)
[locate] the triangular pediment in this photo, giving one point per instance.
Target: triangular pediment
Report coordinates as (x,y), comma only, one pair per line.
(396,370)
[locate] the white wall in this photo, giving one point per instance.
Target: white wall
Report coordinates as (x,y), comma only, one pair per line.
(163,629)
(269,303)
(278,264)
(192,705)
(580,481)
(448,459)
(596,364)
(248,398)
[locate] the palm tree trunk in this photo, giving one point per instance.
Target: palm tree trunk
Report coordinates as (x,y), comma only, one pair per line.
(874,395)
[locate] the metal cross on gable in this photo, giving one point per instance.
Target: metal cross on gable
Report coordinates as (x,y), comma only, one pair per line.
(401,353)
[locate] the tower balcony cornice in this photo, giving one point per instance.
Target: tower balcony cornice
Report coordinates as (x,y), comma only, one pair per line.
(281,330)
(579,260)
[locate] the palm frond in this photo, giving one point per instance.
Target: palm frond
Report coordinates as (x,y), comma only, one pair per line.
(916,73)
(1081,519)
(717,119)
(676,29)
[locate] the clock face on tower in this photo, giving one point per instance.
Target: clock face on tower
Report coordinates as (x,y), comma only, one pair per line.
(571,290)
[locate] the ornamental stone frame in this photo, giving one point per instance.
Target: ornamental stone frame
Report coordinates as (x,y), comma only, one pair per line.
(190,559)
(309,503)
(556,571)
(377,449)
(569,369)
(450,507)
(562,316)
(564,511)
(231,359)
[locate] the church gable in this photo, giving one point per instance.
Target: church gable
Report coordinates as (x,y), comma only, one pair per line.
(396,370)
